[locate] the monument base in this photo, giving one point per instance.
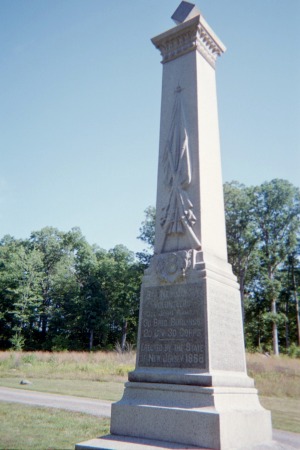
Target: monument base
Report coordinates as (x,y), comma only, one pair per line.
(217,378)
(221,418)
(111,442)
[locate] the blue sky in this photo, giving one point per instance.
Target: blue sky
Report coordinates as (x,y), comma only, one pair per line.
(80,104)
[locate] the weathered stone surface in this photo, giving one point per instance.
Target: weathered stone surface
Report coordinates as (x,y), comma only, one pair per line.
(216,418)
(190,384)
(191,332)
(127,443)
(225,327)
(173,327)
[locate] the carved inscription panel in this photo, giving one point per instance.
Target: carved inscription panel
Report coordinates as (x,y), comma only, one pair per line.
(172,333)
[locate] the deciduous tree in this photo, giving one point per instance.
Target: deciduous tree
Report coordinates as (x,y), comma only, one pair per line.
(277,215)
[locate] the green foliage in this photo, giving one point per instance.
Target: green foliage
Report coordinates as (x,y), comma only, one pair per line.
(147,235)
(17,342)
(60,343)
(147,229)
(294,351)
(263,223)
(58,292)
(20,290)
(278,318)
(240,226)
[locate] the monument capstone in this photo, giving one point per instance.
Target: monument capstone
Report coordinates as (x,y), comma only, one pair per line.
(190,385)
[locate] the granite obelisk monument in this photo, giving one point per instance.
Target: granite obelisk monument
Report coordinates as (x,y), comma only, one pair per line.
(190,384)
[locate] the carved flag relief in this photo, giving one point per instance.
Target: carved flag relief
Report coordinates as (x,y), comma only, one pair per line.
(177,217)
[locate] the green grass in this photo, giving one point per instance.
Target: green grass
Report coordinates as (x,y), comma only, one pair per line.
(285,413)
(102,390)
(25,427)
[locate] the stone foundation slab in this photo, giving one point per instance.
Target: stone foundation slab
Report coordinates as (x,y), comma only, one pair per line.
(214,418)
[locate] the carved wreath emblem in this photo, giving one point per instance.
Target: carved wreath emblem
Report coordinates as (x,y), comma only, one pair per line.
(172,266)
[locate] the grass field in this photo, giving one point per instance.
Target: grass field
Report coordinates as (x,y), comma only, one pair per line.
(101,375)
(96,375)
(278,384)
(105,390)
(25,427)
(275,376)
(98,366)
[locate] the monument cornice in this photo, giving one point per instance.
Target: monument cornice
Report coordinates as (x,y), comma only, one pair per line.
(194,34)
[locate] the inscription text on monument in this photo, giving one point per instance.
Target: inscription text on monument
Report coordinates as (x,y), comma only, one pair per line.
(172,328)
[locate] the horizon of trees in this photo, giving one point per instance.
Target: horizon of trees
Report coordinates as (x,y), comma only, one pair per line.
(263,232)
(58,292)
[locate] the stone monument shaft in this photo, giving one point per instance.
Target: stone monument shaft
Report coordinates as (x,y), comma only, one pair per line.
(190,209)
(190,310)
(190,383)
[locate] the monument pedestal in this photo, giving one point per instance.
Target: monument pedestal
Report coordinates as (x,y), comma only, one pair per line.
(207,417)
(190,385)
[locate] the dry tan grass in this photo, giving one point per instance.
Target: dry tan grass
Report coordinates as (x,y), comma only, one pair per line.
(98,366)
(275,376)
(70,357)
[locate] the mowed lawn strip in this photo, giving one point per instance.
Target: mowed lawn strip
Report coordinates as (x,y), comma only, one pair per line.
(25,427)
(285,412)
(105,390)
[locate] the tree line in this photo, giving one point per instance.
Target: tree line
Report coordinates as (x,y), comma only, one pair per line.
(58,292)
(263,230)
